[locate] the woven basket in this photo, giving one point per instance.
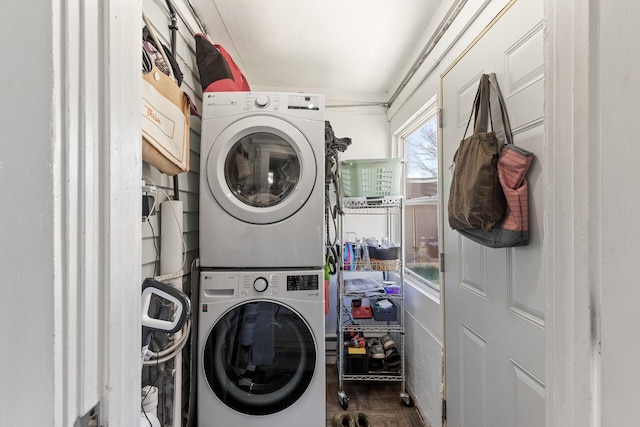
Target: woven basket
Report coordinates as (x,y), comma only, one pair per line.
(384,264)
(379,264)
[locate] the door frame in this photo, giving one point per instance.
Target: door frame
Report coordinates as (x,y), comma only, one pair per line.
(97,167)
(570,159)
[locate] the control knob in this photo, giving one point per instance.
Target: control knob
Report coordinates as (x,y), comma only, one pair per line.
(260,284)
(262,101)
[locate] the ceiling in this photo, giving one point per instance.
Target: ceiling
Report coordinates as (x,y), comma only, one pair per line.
(355,50)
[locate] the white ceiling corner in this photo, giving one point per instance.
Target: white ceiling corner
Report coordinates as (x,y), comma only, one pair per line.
(350,51)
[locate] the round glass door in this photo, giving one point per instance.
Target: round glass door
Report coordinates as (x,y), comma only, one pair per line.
(259,357)
(261,170)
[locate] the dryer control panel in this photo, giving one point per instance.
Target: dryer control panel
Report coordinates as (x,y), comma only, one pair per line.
(303,102)
(222,104)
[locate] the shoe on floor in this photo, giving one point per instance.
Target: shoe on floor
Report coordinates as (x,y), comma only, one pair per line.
(361,419)
(344,420)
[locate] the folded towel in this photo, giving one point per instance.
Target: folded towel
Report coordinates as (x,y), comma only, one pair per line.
(363,287)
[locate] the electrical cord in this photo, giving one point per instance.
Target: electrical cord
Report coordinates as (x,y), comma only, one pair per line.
(170,352)
(155,199)
(155,246)
(148,221)
(153,383)
(193,352)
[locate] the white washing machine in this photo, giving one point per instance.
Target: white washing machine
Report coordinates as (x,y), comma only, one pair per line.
(261,349)
(262,180)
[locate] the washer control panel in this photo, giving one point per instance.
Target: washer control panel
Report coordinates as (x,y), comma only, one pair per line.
(286,284)
(259,284)
(300,285)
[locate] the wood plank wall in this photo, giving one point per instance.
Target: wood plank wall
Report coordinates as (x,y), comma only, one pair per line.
(158,14)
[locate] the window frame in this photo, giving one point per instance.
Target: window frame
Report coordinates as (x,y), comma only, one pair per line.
(428,111)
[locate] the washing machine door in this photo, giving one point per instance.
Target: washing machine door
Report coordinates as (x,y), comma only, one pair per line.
(260,357)
(261,169)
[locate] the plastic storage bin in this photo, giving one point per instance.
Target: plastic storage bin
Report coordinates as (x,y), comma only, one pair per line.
(385,314)
(356,363)
(371,177)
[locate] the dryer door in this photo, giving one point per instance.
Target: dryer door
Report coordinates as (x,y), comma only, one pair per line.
(259,357)
(261,170)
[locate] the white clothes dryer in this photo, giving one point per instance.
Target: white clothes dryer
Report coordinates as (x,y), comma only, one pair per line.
(261,349)
(262,180)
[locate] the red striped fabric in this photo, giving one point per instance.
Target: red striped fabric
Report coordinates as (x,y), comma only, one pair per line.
(512,171)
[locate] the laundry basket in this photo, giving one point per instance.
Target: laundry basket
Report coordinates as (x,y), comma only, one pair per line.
(371,177)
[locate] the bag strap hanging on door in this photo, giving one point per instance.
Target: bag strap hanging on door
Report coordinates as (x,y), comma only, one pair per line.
(476,199)
(499,117)
(480,110)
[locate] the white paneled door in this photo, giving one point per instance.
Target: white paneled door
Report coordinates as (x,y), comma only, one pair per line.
(494,298)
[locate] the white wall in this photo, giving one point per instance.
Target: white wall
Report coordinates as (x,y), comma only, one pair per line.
(26,236)
(423,348)
(367,127)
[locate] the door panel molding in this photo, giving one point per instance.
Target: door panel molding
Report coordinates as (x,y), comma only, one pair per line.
(524,62)
(473,363)
(528,394)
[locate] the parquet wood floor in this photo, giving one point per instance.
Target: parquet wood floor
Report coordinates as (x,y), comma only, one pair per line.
(379,400)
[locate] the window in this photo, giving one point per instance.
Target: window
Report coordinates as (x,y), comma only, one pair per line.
(422,206)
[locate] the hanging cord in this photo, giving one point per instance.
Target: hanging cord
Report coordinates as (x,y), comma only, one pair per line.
(193,353)
(172,351)
(174,30)
(152,384)
(332,255)
(332,146)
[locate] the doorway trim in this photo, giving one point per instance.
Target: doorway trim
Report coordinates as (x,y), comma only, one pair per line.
(571,162)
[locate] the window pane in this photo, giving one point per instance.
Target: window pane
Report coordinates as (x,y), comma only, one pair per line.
(421,242)
(421,149)
(422,207)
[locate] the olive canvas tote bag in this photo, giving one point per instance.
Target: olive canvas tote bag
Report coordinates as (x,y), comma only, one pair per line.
(513,164)
(476,199)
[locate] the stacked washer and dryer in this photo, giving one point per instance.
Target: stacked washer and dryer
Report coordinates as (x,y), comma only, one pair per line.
(261,312)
